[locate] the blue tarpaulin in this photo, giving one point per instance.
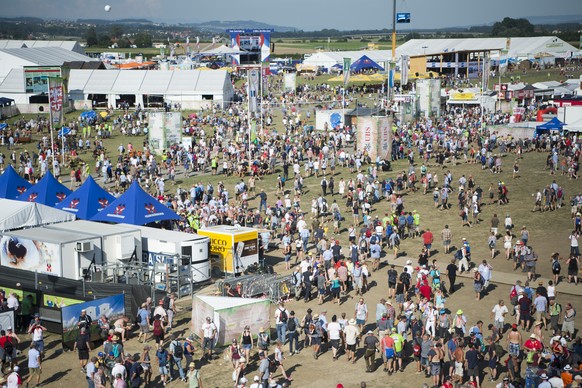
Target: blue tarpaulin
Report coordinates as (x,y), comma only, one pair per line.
(135,207)
(365,63)
(87,200)
(64,131)
(12,184)
(89,115)
(47,191)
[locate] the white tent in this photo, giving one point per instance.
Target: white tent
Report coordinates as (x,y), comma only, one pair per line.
(18,214)
(193,89)
(230,315)
(575,126)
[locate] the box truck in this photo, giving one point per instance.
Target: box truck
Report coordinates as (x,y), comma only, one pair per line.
(118,241)
(50,251)
(232,249)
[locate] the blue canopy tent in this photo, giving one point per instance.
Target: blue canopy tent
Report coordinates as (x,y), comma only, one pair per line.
(88,115)
(87,200)
(552,125)
(47,191)
(12,184)
(135,207)
(364,63)
(3,126)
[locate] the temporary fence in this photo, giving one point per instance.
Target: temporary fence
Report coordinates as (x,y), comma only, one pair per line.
(270,286)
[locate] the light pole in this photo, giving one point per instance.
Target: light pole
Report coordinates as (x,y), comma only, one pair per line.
(393,29)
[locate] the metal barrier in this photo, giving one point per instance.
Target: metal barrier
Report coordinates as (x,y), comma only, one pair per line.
(270,286)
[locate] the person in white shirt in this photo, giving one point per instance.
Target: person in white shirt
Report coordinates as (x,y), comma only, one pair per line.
(161,311)
(498,313)
(13,378)
(12,302)
(351,334)
(209,332)
(119,369)
(485,271)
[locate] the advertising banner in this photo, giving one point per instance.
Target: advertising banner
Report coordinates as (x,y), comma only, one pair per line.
(165,130)
(20,294)
(112,307)
(54,301)
(253,87)
(404,70)
(347,65)
(30,255)
(36,78)
(290,82)
(485,72)
(254,44)
(375,136)
(56,99)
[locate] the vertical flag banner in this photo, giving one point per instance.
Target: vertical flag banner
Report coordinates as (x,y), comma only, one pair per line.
(253,88)
(56,99)
(188,46)
(391,76)
(347,64)
(197,43)
(404,70)
(486,70)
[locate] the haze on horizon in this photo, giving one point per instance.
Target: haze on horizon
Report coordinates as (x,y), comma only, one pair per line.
(303,14)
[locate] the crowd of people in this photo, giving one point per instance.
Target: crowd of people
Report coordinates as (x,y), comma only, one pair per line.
(334,238)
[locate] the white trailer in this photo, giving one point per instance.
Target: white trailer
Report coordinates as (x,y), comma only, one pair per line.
(118,242)
(164,246)
(50,251)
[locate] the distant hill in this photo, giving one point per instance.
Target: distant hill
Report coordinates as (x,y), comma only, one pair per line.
(120,21)
(23,19)
(559,19)
(221,26)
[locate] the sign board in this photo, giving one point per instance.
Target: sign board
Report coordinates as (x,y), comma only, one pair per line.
(36,78)
(290,82)
(254,44)
(463,96)
(165,130)
(31,255)
(374,136)
(113,307)
(403,17)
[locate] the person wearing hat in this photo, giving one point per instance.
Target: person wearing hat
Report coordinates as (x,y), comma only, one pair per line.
(567,376)
(351,335)
(209,333)
(163,357)
(371,346)
(256,382)
(460,322)
(505,383)
(532,348)
(146,364)
(545,383)
(144,322)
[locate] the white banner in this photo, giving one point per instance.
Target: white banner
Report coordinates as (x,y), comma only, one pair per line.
(165,129)
(253,87)
(375,136)
(404,70)
(290,82)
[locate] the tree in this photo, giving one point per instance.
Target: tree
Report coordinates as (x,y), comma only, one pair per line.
(123,42)
(104,41)
(116,31)
(143,40)
(91,37)
(513,27)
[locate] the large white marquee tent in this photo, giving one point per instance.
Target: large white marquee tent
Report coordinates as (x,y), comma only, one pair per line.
(191,88)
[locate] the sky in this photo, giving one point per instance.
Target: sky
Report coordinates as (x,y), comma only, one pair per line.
(307,15)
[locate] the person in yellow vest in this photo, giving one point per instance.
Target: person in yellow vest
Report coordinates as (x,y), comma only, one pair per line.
(416,217)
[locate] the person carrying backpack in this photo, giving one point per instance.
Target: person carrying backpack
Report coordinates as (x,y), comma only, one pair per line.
(292,330)
(176,355)
(281,318)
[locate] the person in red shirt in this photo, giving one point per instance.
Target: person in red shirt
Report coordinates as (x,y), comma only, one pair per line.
(448,382)
(427,239)
(388,353)
(533,347)
(425,290)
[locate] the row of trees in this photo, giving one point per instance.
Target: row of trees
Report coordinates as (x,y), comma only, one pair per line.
(141,39)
